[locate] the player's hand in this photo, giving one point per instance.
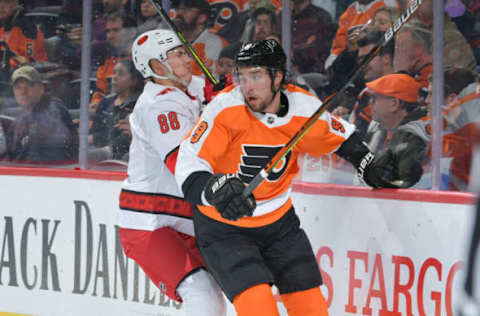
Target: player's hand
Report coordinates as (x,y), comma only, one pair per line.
(383,170)
(210,90)
(224,191)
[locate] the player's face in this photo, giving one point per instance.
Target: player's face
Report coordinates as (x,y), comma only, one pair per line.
(181,63)
(255,84)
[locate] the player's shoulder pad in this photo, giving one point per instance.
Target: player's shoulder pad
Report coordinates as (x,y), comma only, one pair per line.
(229,97)
(301,102)
(164,98)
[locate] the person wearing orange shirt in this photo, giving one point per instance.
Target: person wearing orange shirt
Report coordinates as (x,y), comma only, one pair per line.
(20,40)
(356,15)
(121,31)
(249,243)
(460,124)
(192,20)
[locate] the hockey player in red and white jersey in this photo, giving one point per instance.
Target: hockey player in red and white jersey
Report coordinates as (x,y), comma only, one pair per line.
(155,222)
(250,243)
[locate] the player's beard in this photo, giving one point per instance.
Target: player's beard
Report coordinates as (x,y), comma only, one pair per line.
(260,104)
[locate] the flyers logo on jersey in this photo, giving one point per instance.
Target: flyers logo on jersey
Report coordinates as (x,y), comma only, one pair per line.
(256,158)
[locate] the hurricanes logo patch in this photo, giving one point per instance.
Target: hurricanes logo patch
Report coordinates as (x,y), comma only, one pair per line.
(255,158)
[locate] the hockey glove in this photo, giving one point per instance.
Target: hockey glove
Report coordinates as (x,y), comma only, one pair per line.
(382,170)
(224,191)
(210,90)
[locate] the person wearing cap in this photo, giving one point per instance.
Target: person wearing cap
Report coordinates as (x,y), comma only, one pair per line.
(43,132)
(226,59)
(394,106)
(192,19)
(394,100)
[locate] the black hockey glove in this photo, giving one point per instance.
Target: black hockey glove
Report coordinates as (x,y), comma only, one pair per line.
(224,191)
(383,170)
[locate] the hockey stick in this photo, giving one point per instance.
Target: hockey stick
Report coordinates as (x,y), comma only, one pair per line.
(158,7)
(389,34)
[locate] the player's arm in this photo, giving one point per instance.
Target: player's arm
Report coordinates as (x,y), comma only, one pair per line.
(378,170)
(199,151)
(166,126)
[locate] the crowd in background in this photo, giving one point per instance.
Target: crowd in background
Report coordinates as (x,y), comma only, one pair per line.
(390,102)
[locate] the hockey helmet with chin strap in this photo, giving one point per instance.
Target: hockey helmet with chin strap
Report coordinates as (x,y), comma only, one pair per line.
(155,44)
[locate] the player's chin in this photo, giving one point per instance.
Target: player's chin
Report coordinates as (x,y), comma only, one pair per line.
(255,105)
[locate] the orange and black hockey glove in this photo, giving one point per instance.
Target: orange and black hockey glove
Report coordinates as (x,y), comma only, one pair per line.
(224,191)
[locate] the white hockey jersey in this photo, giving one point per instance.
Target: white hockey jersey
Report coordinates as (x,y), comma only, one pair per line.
(150,198)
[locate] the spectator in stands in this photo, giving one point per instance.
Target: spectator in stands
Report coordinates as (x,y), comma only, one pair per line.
(20,40)
(44,132)
(379,66)
(111,6)
(121,30)
(147,17)
(312,34)
(382,64)
(264,23)
(461,117)
(383,18)
(394,107)
(457,52)
(65,46)
(226,59)
(192,21)
(240,27)
(111,128)
(357,14)
(413,51)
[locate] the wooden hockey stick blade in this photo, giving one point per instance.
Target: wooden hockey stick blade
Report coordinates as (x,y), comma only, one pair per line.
(158,7)
(389,34)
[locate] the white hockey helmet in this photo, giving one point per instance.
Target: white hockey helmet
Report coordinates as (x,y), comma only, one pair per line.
(153,44)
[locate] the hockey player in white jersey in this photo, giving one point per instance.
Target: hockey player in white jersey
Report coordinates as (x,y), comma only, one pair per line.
(155,222)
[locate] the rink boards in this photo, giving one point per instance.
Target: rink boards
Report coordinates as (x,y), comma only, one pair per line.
(387,252)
